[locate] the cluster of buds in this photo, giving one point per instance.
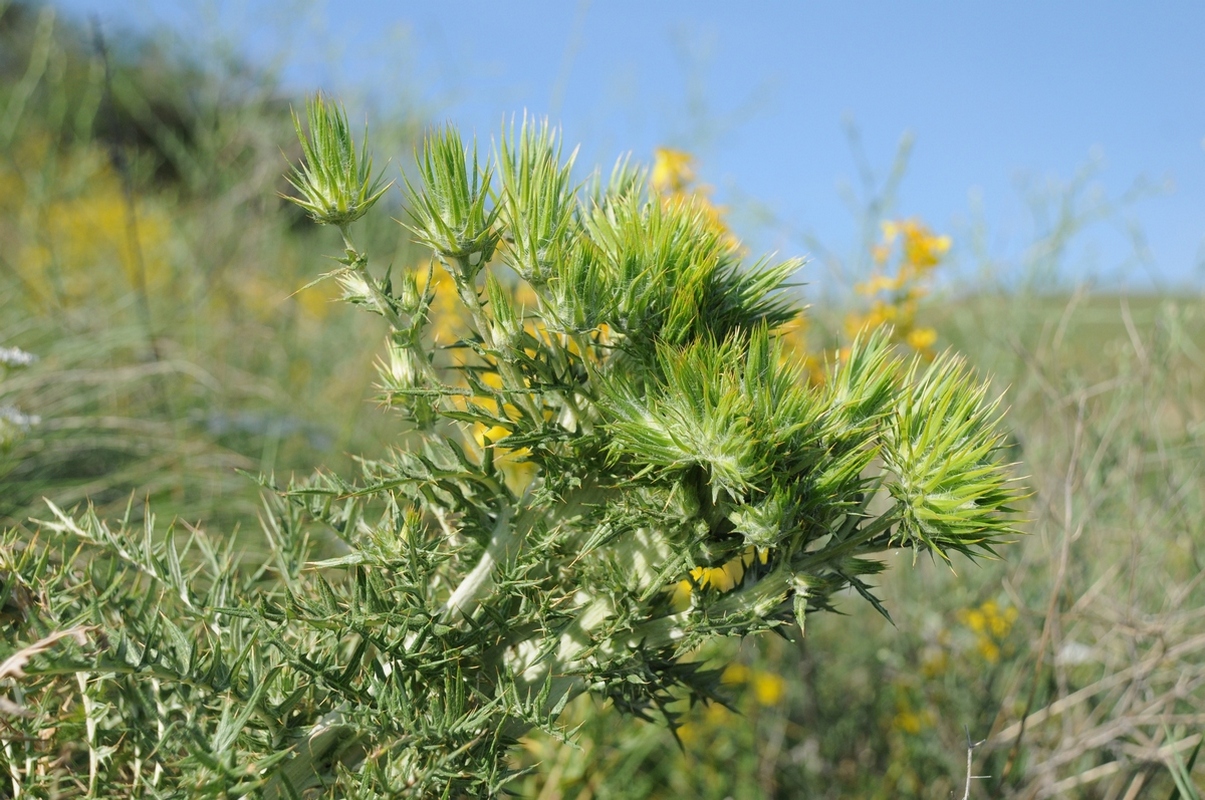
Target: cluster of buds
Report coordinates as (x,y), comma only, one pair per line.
(334,183)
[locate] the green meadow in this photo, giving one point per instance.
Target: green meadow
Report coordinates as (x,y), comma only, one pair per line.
(187,367)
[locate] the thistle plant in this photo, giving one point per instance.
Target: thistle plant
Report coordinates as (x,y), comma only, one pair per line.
(661,432)
(335,183)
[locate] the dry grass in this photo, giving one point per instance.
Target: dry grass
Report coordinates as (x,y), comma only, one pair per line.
(1109,405)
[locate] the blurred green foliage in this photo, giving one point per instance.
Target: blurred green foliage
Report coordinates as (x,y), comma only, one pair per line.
(146,256)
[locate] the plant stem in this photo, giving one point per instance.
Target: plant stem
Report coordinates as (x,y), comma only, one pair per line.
(511,378)
(360,264)
(504,546)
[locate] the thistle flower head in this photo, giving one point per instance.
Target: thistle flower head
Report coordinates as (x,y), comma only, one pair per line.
(449,213)
(334,181)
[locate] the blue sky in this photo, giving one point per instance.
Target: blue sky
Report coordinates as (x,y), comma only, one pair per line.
(1003,101)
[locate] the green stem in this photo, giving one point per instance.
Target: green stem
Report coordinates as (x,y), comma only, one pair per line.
(583,347)
(503,547)
(860,537)
(360,264)
(512,380)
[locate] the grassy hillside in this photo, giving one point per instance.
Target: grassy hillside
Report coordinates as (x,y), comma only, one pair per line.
(148,261)
(150,264)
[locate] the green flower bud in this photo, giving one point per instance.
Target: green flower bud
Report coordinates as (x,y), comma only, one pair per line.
(335,183)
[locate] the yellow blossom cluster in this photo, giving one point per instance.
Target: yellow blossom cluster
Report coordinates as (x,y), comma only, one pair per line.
(66,223)
(910,719)
(980,641)
(917,250)
(722,578)
(73,236)
(513,463)
(990,625)
(673,179)
(768,688)
(673,172)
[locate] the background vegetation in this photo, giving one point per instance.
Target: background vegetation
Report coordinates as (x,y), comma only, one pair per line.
(148,261)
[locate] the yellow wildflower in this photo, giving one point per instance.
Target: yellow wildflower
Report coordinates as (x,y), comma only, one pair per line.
(673,179)
(894,296)
(908,722)
(989,651)
(909,719)
(673,171)
(494,434)
(878,283)
(921,339)
(449,316)
(720,578)
(680,595)
(922,249)
(991,626)
(735,674)
(723,578)
(768,688)
(81,223)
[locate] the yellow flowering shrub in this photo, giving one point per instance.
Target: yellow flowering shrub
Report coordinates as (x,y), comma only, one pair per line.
(66,218)
(673,178)
(768,688)
(904,258)
(908,718)
(756,688)
(75,218)
(923,684)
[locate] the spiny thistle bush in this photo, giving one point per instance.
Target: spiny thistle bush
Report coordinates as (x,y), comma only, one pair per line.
(660,428)
(750,741)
